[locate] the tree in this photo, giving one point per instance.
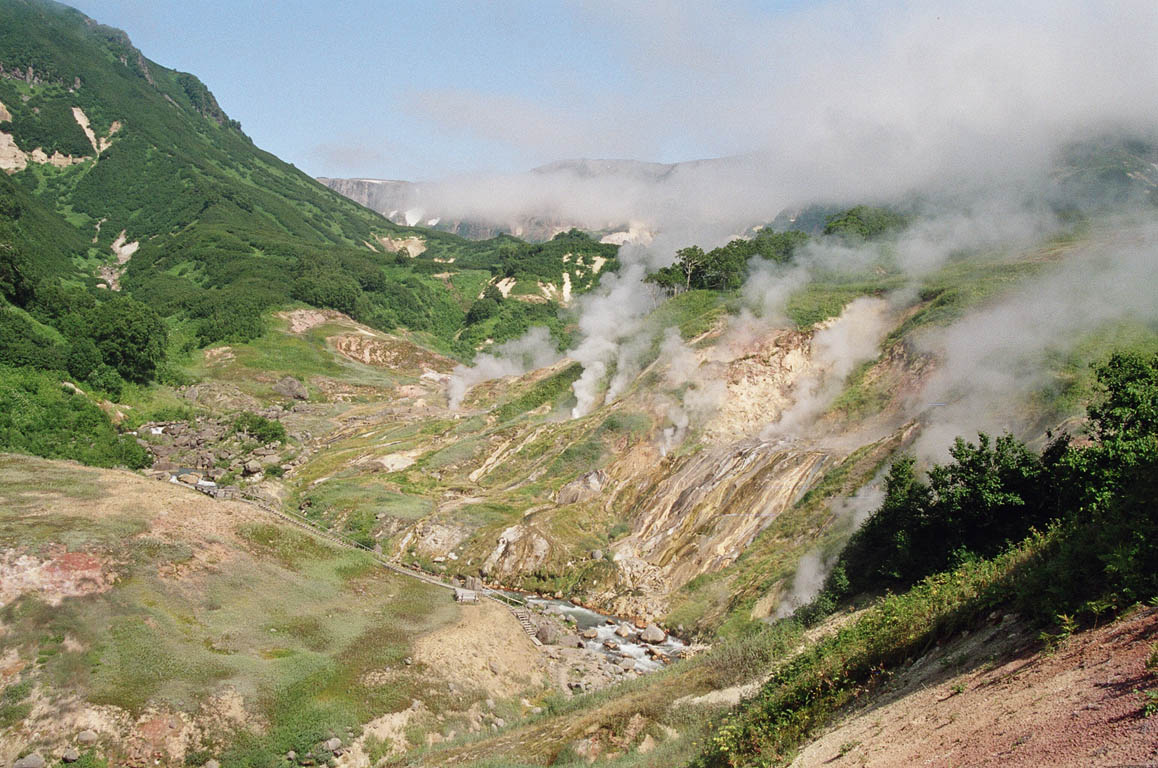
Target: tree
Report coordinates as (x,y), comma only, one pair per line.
(83,358)
(131,337)
(690,261)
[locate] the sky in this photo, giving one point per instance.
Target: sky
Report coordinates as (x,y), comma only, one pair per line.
(381,89)
(833,89)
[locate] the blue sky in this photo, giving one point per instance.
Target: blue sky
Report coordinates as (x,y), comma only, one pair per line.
(359,87)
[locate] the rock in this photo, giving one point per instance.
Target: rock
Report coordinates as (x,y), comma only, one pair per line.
(30,761)
(582,488)
(252,467)
(590,634)
(548,634)
(70,755)
(597,554)
(334,744)
(211,764)
(500,723)
(291,387)
(624,630)
(653,634)
(536,710)
(188,478)
(626,663)
(291,755)
(611,645)
(87,737)
(490,704)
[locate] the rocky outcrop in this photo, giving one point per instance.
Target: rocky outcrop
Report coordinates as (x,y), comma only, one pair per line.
(520,549)
(288,386)
(582,488)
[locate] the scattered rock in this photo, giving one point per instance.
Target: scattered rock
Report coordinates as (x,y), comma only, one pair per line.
(548,634)
(70,755)
(590,634)
(653,634)
(333,745)
(291,755)
(597,554)
(624,630)
(87,737)
(252,467)
(291,387)
(211,764)
(627,663)
(30,761)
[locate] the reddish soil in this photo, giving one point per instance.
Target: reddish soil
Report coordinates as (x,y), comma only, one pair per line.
(1080,705)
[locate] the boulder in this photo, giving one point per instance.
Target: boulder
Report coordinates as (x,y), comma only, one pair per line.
(582,488)
(624,630)
(291,387)
(653,634)
(87,737)
(252,467)
(211,763)
(597,554)
(590,634)
(70,755)
(30,761)
(548,634)
(573,641)
(626,663)
(334,744)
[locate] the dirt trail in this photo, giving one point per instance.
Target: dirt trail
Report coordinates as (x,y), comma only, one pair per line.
(1078,706)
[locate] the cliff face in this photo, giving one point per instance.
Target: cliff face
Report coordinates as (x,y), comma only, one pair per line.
(391,198)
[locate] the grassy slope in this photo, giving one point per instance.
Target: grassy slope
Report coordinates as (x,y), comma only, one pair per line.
(208,597)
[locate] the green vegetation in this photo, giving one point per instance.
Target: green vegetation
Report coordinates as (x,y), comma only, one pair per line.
(1099,554)
(725,268)
(40,417)
(260,428)
(865,222)
(549,390)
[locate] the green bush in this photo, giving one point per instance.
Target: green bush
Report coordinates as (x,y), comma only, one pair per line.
(40,417)
(260,428)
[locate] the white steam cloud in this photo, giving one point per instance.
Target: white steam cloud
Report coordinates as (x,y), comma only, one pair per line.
(832,101)
(995,358)
(534,349)
(850,340)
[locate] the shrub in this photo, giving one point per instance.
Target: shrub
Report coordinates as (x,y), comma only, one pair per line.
(260,428)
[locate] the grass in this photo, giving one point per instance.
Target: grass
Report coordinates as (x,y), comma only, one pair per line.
(290,623)
(549,390)
(803,694)
(693,312)
(821,300)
